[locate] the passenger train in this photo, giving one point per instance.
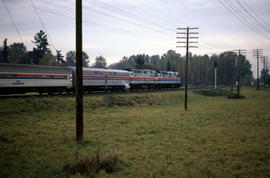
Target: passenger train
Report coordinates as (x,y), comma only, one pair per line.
(22,78)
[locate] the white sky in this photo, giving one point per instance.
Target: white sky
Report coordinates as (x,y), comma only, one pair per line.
(117,28)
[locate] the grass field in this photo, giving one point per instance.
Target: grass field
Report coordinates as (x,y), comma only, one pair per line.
(152,135)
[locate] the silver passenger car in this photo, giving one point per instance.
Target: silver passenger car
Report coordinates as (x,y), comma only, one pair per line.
(20,78)
(105,79)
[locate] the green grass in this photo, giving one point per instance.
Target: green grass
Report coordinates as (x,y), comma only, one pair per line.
(152,134)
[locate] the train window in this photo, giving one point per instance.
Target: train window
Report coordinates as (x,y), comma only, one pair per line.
(2,76)
(95,72)
(137,71)
(145,72)
(114,73)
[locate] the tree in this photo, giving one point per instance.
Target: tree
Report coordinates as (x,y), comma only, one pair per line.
(71,59)
(4,52)
(60,57)
(41,42)
(42,47)
(265,76)
(168,66)
(124,63)
(48,59)
(100,62)
(35,56)
(18,54)
(139,61)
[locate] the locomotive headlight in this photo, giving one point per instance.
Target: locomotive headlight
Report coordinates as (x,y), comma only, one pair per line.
(69,77)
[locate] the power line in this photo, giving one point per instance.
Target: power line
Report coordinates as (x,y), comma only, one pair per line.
(125,13)
(13,22)
(242,16)
(251,9)
(254,18)
(43,25)
(93,23)
(246,15)
(126,21)
(233,12)
(122,13)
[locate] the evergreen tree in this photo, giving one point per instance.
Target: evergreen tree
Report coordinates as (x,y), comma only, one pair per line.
(139,60)
(41,42)
(60,57)
(42,47)
(5,52)
(100,62)
(71,59)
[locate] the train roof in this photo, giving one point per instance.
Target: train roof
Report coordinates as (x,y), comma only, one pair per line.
(105,70)
(7,67)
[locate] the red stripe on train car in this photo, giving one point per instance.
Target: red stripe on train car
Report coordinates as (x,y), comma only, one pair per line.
(59,76)
(43,75)
(25,75)
(120,77)
(9,75)
(93,77)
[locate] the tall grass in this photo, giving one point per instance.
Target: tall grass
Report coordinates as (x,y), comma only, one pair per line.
(152,133)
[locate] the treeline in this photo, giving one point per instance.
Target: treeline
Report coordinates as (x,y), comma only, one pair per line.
(201,68)
(41,54)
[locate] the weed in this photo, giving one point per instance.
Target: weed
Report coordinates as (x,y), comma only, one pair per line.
(93,165)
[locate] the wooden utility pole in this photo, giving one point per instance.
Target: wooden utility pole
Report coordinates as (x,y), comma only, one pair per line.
(79,81)
(240,52)
(232,76)
(265,60)
(257,53)
(187,42)
(215,65)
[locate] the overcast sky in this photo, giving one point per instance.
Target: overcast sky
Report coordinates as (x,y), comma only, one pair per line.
(117,28)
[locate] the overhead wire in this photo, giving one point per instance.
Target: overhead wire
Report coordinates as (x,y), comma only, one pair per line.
(126,13)
(13,22)
(98,24)
(254,12)
(251,16)
(120,11)
(120,19)
(247,21)
(233,13)
(248,18)
(125,20)
(42,24)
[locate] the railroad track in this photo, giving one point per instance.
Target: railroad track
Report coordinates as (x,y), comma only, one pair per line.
(100,93)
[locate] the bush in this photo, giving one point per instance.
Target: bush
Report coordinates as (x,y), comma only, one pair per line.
(212,92)
(90,166)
